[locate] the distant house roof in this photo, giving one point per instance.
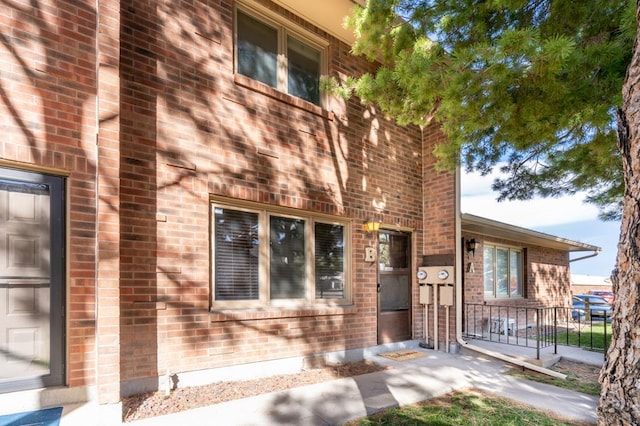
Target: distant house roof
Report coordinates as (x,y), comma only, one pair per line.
(492,228)
(590,280)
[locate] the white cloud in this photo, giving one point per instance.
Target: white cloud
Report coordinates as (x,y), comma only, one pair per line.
(479,199)
(474,184)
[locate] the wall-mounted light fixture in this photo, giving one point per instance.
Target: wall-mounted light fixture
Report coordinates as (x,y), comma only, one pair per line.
(472,245)
(371,225)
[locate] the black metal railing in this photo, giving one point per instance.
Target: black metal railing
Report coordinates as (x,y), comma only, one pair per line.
(591,331)
(535,327)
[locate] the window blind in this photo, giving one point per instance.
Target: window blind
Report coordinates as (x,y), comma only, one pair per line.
(236,255)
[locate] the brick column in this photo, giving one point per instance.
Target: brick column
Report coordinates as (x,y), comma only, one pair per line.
(439,224)
(108,205)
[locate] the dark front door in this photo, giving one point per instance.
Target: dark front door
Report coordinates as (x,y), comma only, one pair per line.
(394,286)
(31,280)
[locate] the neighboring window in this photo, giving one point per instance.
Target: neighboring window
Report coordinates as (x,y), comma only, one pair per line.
(264,257)
(502,271)
(270,51)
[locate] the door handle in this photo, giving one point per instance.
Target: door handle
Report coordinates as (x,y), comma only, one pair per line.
(379,287)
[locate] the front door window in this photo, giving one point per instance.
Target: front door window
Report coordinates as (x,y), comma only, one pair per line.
(394,286)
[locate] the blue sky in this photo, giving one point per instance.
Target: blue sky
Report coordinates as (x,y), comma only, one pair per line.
(566,217)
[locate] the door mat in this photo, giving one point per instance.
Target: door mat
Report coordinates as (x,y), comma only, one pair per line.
(403,355)
(48,417)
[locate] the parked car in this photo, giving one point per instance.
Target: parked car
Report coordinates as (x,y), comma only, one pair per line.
(598,307)
(606,295)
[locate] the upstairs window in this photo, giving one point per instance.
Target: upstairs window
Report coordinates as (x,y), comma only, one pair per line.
(263,257)
(257,50)
(273,52)
(502,272)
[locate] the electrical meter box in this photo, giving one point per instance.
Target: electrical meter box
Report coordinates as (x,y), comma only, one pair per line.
(425,294)
(435,274)
(446,295)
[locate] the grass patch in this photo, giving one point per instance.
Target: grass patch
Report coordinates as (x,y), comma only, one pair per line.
(597,337)
(462,408)
(572,382)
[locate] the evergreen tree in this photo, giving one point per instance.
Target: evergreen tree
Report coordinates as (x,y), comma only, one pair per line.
(550,92)
(530,86)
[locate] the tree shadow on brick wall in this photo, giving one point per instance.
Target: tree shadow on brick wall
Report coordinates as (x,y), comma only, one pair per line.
(137,189)
(180,122)
(187,131)
(197,133)
(552,282)
(45,88)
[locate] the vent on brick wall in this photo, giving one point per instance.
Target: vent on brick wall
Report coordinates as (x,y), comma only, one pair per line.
(268,153)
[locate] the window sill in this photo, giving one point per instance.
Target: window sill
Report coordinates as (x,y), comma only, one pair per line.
(256,86)
(503,299)
(222,315)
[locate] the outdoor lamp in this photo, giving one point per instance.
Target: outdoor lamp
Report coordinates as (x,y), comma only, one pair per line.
(371,225)
(472,245)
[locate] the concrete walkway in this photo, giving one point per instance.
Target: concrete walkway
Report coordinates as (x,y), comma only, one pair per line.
(339,401)
(547,355)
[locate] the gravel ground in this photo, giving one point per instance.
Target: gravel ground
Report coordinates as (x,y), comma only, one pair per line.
(157,403)
(585,372)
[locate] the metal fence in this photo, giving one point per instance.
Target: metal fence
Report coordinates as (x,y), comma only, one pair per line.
(537,328)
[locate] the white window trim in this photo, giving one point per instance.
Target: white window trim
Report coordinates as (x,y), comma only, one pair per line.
(493,295)
(264,213)
(284,28)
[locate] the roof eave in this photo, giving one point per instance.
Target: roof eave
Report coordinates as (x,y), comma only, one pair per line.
(327,14)
(491,228)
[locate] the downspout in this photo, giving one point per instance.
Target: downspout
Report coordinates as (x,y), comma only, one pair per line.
(459,292)
(96,248)
(594,254)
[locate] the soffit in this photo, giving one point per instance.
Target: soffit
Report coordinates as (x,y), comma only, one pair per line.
(326,14)
(491,228)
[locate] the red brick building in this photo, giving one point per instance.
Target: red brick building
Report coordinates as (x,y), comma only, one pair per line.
(509,271)
(180,200)
(177,195)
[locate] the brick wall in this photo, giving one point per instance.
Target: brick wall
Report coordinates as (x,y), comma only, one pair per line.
(165,126)
(546,280)
(439,230)
(546,271)
(190,129)
(48,122)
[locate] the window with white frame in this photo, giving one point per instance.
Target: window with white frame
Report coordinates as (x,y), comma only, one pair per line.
(272,51)
(502,271)
(263,257)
